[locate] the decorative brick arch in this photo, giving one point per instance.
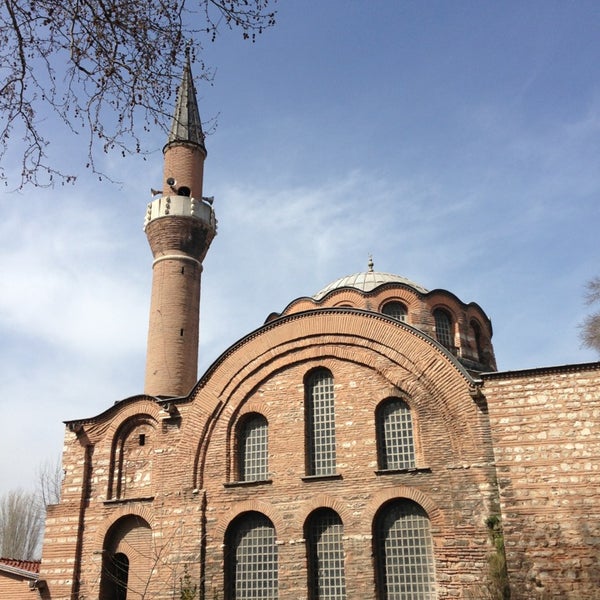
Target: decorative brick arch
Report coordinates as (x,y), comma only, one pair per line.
(409,359)
(321,501)
(143,512)
(381,498)
(258,506)
(137,409)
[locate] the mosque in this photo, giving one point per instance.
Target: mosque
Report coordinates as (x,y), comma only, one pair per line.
(360,444)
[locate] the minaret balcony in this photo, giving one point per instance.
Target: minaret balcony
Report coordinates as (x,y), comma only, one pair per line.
(181,206)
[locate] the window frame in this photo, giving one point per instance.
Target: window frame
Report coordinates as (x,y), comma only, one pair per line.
(404,552)
(396,444)
(320,442)
(395,303)
(444,332)
(243,539)
(324,535)
(259,449)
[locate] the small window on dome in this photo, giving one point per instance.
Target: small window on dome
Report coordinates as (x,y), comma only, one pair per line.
(394,309)
(444,328)
(478,341)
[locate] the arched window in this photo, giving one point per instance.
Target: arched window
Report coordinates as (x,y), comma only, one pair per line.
(320,423)
(395,442)
(323,532)
(250,558)
(395,309)
(127,559)
(477,338)
(443,328)
(403,551)
(252,448)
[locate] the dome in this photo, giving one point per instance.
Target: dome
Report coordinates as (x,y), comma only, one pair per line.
(367,282)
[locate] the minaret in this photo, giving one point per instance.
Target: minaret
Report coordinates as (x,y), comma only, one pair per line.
(180,225)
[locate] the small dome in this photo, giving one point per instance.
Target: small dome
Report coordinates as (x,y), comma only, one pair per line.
(366,282)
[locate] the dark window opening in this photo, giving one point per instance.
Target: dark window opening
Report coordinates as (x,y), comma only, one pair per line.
(116,577)
(478,342)
(142,439)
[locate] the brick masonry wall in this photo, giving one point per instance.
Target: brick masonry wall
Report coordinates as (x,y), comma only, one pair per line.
(546,434)
(420,309)
(191,475)
(14,587)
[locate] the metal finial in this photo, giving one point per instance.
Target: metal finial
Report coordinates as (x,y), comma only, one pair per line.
(370,263)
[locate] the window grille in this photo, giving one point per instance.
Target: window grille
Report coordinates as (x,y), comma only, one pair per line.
(320,423)
(253,456)
(326,578)
(397,310)
(443,328)
(404,551)
(251,568)
(395,435)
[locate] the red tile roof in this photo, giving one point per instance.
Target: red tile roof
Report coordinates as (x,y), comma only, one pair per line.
(33,566)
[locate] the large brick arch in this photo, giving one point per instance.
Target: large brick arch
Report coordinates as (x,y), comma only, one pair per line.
(404,356)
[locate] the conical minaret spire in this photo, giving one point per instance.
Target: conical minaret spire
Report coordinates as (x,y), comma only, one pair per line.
(180,226)
(186,125)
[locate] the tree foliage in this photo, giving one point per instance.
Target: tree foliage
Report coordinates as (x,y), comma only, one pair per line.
(22,513)
(21,524)
(106,68)
(590,328)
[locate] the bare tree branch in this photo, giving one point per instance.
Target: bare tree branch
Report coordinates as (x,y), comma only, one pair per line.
(21,525)
(106,68)
(590,328)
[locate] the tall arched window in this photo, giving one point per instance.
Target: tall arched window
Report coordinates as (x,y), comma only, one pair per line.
(252,448)
(323,532)
(127,559)
(395,309)
(320,423)
(443,328)
(404,552)
(395,443)
(250,558)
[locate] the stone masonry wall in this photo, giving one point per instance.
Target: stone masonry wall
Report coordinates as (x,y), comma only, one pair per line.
(546,436)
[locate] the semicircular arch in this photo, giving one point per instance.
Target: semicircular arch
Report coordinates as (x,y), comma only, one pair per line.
(409,359)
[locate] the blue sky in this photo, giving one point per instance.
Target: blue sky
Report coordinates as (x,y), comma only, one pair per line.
(456,142)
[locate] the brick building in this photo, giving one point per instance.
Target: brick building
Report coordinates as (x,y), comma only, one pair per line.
(360,444)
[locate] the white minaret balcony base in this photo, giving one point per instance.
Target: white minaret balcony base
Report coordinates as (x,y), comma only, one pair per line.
(180,206)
